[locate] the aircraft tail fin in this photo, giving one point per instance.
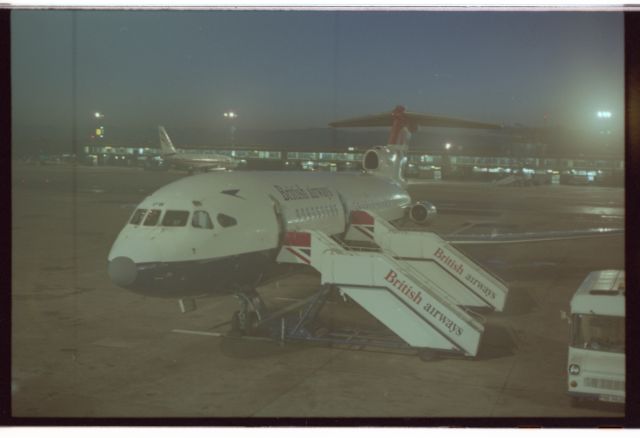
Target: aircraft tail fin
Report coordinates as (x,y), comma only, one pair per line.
(389,161)
(403,122)
(166,146)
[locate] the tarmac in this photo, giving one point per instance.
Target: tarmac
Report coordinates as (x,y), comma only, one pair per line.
(84,348)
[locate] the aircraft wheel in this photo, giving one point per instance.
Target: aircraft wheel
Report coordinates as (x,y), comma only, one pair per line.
(246,324)
(251,323)
(236,326)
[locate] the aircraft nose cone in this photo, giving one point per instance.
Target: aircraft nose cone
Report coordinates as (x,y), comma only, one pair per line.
(122,271)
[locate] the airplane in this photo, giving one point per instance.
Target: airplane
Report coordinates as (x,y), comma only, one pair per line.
(192,161)
(221,233)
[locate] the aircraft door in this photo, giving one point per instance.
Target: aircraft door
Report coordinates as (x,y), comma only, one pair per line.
(282,225)
(345,211)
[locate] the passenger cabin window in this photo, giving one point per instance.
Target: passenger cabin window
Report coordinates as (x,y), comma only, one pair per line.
(175,218)
(137,216)
(226,221)
(201,219)
(152,218)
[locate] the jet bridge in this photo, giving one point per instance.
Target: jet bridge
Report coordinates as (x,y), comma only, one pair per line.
(391,289)
(465,282)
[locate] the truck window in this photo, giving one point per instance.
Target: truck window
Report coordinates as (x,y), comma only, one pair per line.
(201,219)
(137,216)
(599,332)
(152,218)
(175,218)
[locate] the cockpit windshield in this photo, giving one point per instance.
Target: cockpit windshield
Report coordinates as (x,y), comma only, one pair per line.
(137,216)
(226,220)
(175,218)
(201,219)
(599,332)
(172,218)
(152,218)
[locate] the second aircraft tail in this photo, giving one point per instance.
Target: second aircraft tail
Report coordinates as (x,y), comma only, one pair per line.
(166,146)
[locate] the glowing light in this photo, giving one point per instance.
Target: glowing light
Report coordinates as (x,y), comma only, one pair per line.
(604,114)
(447,146)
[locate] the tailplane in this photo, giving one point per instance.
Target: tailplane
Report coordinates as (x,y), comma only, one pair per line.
(388,161)
(166,146)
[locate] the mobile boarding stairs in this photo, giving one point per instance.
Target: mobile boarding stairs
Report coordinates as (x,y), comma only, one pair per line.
(414,282)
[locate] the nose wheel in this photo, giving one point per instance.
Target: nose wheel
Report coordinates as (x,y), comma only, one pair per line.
(252,310)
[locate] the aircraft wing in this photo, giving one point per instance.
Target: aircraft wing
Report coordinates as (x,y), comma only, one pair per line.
(530,237)
(418,119)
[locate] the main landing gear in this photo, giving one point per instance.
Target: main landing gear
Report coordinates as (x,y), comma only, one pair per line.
(292,322)
(252,311)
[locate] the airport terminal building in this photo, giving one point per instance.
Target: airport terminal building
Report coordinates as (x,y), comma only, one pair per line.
(603,170)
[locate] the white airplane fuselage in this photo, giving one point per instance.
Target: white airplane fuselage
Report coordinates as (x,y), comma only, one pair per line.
(190,160)
(223,230)
(199,161)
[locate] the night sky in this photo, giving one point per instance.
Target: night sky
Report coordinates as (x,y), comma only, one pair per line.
(288,70)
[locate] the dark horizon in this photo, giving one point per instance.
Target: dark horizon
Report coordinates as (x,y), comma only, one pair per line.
(290,71)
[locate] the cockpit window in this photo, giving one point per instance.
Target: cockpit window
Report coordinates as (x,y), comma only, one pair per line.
(137,216)
(201,219)
(226,221)
(175,218)
(152,218)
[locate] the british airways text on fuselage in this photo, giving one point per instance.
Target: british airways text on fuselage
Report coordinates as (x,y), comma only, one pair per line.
(296,192)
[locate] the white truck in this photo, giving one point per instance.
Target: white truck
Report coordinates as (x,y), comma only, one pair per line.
(596,362)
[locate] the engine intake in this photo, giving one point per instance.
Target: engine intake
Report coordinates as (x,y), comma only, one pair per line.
(423,212)
(371,160)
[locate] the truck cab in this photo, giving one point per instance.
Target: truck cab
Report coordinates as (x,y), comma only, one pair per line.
(596,360)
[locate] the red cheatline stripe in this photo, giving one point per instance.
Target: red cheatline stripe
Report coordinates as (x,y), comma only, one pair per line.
(301,257)
(361,218)
(295,238)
